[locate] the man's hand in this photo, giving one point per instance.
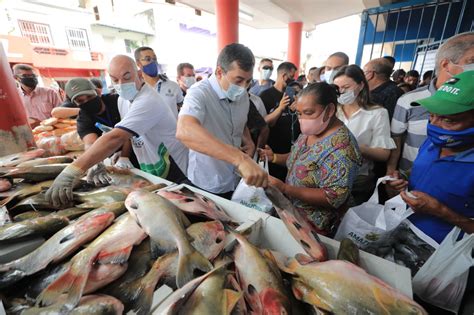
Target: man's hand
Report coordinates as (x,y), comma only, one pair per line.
(60,192)
(252,173)
(399,184)
(423,203)
(266,153)
(284,102)
(98,176)
(124,162)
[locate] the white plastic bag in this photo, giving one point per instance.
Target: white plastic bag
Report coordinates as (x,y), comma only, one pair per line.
(370,221)
(251,196)
(442,279)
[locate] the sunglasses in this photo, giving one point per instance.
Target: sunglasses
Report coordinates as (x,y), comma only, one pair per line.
(267,68)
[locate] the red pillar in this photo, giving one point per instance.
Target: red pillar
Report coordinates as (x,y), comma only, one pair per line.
(295,30)
(227,13)
(15,132)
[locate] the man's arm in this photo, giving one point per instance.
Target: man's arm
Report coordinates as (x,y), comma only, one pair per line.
(193,135)
(64,112)
(89,140)
(263,137)
(392,163)
(247,143)
(126,149)
(272,118)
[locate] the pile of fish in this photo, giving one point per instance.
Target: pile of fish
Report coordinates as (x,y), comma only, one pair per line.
(109,251)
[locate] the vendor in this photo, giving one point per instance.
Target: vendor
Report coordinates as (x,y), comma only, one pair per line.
(442,178)
(323,162)
(150,124)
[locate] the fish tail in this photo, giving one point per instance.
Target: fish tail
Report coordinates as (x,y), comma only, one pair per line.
(187,264)
(10,277)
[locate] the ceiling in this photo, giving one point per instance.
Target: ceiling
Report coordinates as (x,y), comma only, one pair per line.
(278,13)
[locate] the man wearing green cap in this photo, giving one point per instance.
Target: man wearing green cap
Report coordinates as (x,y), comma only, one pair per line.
(442,178)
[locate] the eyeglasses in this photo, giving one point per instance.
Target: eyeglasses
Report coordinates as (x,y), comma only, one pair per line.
(149,59)
(267,68)
(27,76)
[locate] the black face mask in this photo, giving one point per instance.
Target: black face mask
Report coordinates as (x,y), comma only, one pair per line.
(30,82)
(92,107)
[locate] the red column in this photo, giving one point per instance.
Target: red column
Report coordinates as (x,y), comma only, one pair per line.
(227,13)
(15,132)
(295,30)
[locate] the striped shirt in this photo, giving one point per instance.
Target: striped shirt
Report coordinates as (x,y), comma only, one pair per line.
(411,120)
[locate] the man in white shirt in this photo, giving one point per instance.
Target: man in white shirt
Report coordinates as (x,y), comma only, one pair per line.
(149,123)
(212,125)
(170,91)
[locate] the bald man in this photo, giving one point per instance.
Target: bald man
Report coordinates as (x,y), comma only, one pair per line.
(383,91)
(148,122)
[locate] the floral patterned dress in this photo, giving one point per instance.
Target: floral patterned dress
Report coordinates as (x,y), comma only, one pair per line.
(332,165)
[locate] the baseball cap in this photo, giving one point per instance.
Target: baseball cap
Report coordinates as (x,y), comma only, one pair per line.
(79,86)
(455,96)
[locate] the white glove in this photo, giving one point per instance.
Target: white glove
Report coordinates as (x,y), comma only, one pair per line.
(98,176)
(124,162)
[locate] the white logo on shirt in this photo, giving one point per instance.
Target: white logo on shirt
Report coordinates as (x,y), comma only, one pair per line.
(138,142)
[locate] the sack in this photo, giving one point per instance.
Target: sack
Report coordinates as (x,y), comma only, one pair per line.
(442,279)
(251,196)
(371,221)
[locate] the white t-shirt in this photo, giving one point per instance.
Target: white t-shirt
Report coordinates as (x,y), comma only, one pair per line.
(171,94)
(154,128)
(370,127)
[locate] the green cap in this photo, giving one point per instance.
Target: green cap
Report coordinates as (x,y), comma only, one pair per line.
(455,96)
(79,86)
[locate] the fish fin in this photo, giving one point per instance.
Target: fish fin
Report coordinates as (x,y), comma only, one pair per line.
(187,264)
(231,299)
(52,292)
(156,249)
(117,257)
(186,192)
(304,259)
(309,296)
(183,218)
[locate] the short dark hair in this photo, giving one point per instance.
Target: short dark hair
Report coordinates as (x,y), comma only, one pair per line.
(427,74)
(391,60)
(398,73)
(312,68)
(357,74)
(238,53)
(139,50)
(382,67)
(183,65)
(413,73)
(21,66)
(97,82)
(341,55)
(323,93)
(286,67)
(266,60)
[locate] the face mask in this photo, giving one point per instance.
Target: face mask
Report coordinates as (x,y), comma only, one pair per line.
(322,77)
(127,90)
(449,138)
(234,91)
(346,98)
(310,127)
(30,82)
(151,69)
(266,74)
(329,76)
(92,107)
(188,81)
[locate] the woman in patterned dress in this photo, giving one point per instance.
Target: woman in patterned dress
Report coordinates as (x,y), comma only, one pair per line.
(323,161)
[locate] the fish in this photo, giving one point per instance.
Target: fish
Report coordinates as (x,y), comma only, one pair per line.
(208,239)
(37,226)
(30,215)
(112,247)
(37,173)
(260,279)
(60,245)
(297,224)
(174,303)
(348,251)
(17,158)
(5,184)
(25,192)
(46,161)
(39,202)
(165,224)
(340,287)
(126,178)
(194,203)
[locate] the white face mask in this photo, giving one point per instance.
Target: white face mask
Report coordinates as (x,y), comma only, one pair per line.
(347,97)
(329,76)
(266,74)
(188,81)
(127,90)
(234,91)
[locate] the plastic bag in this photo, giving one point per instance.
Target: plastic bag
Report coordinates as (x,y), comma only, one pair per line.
(52,145)
(72,142)
(442,279)
(253,197)
(371,221)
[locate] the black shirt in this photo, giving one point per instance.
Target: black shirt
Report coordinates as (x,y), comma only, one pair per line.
(386,95)
(285,131)
(110,117)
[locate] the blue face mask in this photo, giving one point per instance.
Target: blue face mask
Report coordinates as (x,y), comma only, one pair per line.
(234,91)
(127,90)
(448,138)
(151,69)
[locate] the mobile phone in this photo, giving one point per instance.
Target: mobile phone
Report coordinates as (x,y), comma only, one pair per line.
(291,92)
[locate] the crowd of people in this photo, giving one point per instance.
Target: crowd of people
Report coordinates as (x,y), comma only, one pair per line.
(327,135)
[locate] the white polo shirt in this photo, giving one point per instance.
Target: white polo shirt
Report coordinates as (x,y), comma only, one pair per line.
(370,127)
(154,128)
(171,94)
(226,121)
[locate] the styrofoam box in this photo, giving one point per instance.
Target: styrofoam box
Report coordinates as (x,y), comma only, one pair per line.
(275,236)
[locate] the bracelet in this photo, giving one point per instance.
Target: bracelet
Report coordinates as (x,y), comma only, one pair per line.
(274,159)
